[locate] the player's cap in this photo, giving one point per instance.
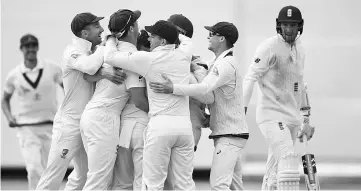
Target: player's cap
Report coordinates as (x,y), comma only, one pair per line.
(165,30)
(28,39)
(123,18)
(226,29)
(81,20)
(183,24)
(289,14)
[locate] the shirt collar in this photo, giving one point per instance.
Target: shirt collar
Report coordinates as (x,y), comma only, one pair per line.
(25,69)
(126,45)
(165,47)
(83,44)
(224,53)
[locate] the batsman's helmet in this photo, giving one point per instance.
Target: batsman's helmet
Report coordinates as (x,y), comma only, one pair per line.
(289,14)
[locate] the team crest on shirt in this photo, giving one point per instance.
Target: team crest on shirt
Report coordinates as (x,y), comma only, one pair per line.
(257,60)
(215,71)
(64,153)
(37,97)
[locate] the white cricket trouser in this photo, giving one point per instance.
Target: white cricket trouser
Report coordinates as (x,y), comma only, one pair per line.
(226,170)
(35,144)
(281,140)
(168,143)
(128,169)
(100,132)
(66,145)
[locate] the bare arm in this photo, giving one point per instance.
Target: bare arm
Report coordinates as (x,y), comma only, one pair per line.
(138,96)
(5,105)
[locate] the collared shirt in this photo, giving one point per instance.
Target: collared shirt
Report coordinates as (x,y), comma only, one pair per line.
(221,75)
(35,91)
(77,59)
(278,69)
(175,63)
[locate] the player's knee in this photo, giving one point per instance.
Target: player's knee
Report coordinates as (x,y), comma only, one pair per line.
(288,176)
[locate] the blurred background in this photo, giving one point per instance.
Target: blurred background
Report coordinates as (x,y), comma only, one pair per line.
(331,37)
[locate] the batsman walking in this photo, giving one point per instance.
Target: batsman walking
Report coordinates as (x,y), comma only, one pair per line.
(278,68)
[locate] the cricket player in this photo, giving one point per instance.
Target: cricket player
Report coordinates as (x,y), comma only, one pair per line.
(197,108)
(278,68)
(227,122)
(125,103)
(78,58)
(100,121)
(34,85)
(168,136)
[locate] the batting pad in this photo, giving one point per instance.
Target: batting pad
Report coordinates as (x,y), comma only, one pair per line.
(288,176)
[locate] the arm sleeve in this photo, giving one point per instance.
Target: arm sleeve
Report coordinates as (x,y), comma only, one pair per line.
(257,69)
(134,80)
(138,62)
(219,75)
(207,98)
(9,86)
(88,64)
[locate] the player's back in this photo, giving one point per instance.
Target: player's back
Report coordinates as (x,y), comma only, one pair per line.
(175,64)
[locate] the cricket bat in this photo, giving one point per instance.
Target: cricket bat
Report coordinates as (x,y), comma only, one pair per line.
(309,168)
(308,159)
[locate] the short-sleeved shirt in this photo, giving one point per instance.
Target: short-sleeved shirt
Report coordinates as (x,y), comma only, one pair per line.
(34,91)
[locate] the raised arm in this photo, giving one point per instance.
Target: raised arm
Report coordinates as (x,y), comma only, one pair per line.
(88,64)
(138,62)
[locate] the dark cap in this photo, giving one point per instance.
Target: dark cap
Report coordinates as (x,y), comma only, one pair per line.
(81,20)
(226,29)
(165,30)
(28,39)
(289,14)
(183,24)
(122,19)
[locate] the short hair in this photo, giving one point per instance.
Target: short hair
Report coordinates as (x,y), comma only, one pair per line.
(143,40)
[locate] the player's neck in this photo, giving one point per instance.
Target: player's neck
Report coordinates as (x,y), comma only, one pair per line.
(129,39)
(31,63)
(219,51)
